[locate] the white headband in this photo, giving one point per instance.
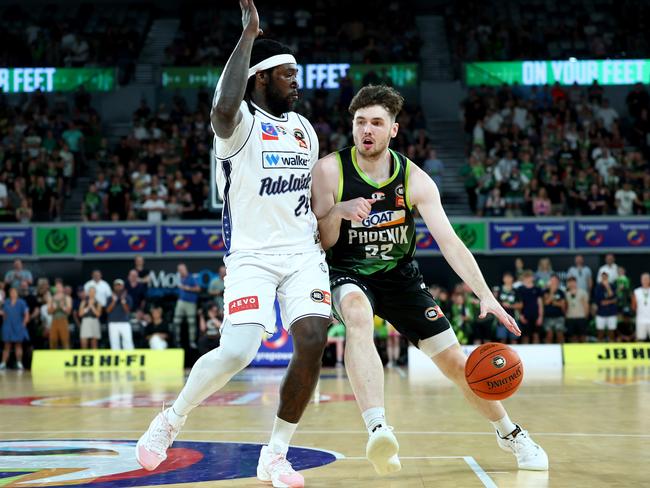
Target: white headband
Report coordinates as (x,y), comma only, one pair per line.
(267,63)
(271,62)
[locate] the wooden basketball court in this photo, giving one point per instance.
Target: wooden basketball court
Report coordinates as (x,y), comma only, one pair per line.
(594,424)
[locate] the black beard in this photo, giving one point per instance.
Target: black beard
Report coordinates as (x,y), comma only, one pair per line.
(274,100)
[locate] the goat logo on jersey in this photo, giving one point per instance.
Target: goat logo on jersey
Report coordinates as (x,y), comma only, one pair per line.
(268,132)
(387,218)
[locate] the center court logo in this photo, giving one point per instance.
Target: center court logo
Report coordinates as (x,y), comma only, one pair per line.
(91,463)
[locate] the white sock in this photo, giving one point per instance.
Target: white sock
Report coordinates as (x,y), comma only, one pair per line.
(281,436)
(374,417)
(174,415)
(504,426)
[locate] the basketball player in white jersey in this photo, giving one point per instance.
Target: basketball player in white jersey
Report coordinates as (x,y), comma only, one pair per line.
(265,153)
(641,305)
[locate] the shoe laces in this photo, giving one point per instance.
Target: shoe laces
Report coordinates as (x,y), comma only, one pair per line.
(523,444)
(382,427)
(160,436)
(279,464)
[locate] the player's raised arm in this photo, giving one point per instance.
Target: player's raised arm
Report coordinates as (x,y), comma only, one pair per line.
(225,114)
(424,194)
(326,205)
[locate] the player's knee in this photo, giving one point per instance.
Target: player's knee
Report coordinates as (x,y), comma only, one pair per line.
(357,317)
(452,364)
(234,359)
(310,340)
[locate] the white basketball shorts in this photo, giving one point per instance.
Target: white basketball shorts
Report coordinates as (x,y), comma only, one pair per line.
(300,282)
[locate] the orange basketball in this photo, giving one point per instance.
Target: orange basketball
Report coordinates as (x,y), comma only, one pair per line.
(494,371)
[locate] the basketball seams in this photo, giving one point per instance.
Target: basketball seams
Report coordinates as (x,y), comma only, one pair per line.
(489,355)
(496,374)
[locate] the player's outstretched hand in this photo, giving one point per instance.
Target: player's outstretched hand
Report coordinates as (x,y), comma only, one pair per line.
(357,209)
(491,305)
(250,19)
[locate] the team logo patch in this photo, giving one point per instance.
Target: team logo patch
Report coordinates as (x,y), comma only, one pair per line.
(321,296)
(111,463)
(246,303)
(300,138)
(399,198)
(498,362)
(399,191)
(269,133)
(379,196)
(433,313)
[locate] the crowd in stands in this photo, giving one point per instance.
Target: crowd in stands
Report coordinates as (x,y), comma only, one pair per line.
(574,305)
(555,306)
(493,30)
(43,143)
(161,170)
(121,315)
(74,36)
(557,150)
(358,33)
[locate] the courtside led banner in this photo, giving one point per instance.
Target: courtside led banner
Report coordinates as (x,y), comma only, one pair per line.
(566,72)
(47,79)
(628,234)
(116,239)
(545,235)
(310,76)
(15,241)
(471,233)
(606,353)
(48,361)
(192,239)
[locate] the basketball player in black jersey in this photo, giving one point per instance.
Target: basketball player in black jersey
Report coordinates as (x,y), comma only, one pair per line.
(364,198)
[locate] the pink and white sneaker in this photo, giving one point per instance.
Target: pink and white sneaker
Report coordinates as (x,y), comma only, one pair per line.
(275,469)
(151,449)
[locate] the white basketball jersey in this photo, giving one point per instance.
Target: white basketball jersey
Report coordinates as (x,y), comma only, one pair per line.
(642,296)
(264,176)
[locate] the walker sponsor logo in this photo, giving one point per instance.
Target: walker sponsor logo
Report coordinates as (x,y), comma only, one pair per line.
(387,218)
(245,303)
(612,234)
(118,239)
(284,160)
(280,185)
(192,239)
(111,463)
(529,235)
(15,241)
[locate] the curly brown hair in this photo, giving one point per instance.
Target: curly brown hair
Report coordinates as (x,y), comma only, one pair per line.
(383,95)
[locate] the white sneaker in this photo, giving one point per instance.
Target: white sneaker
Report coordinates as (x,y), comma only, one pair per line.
(151,449)
(275,469)
(382,449)
(19,366)
(529,455)
(3,366)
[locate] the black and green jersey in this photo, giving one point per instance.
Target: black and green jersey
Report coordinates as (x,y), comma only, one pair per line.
(386,238)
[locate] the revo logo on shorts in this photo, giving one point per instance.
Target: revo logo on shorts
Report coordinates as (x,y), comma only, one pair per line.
(245,303)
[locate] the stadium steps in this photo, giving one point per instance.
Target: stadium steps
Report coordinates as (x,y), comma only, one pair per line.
(447,138)
(71,211)
(434,56)
(159,37)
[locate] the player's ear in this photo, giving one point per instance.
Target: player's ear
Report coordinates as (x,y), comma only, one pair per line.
(262,77)
(394,130)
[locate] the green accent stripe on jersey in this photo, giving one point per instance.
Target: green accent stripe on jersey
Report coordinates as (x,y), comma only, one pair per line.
(407,175)
(369,180)
(339,194)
